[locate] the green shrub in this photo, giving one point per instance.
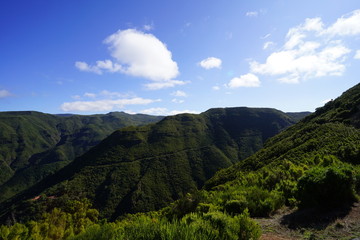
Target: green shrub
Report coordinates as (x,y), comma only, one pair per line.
(236,206)
(262,202)
(326,187)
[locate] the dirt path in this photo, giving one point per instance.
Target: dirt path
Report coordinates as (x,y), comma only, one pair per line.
(287,224)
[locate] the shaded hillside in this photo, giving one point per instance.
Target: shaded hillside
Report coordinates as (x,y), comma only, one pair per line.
(144,168)
(34,145)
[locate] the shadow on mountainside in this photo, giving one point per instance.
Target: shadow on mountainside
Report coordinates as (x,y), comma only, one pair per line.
(315,218)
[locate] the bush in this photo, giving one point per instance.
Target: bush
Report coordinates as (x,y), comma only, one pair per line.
(326,187)
(262,202)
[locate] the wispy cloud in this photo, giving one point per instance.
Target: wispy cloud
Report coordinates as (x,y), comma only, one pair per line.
(268,44)
(175,100)
(104,105)
(252,14)
(179,93)
(5,93)
(148,27)
(165,111)
(357,54)
(164,84)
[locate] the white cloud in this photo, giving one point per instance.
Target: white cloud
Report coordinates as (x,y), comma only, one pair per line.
(357,54)
(311,50)
(90,95)
(137,54)
(143,55)
(83,66)
(268,44)
(266,36)
(165,111)
(247,80)
(108,94)
(164,84)
(216,88)
(148,27)
(103,105)
(5,93)
(347,25)
(252,14)
(155,111)
(76,97)
(175,100)
(211,62)
(179,93)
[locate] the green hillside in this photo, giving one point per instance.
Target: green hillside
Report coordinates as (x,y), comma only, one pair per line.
(144,168)
(34,145)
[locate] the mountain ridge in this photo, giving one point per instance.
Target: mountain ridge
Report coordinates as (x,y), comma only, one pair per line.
(36,144)
(158,163)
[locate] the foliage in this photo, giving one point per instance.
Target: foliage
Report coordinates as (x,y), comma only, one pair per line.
(34,145)
(56,224)
(326,187)
(159,163)
(78,221)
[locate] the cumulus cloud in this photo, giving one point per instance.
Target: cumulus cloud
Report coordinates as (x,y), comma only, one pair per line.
(247,80)
(311,50)
(211,62)
(4,93)
(103,105)
(137,54)
(179,93)
(142,54)
(165,111)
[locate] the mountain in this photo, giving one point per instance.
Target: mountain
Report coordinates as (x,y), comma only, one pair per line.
(34,145)
(144,168)
(333,130)
(312,168)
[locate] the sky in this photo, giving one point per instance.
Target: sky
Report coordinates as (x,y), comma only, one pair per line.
(167,57)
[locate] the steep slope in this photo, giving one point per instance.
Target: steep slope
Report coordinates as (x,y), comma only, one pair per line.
(34,145)
(312,167)
(144,168)
(331,130)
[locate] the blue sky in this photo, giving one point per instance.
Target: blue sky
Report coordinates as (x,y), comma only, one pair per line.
(166,57)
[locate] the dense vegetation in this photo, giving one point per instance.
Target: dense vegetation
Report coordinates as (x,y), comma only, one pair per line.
(76,220)
(139,169)
(34,145)
(314,164)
